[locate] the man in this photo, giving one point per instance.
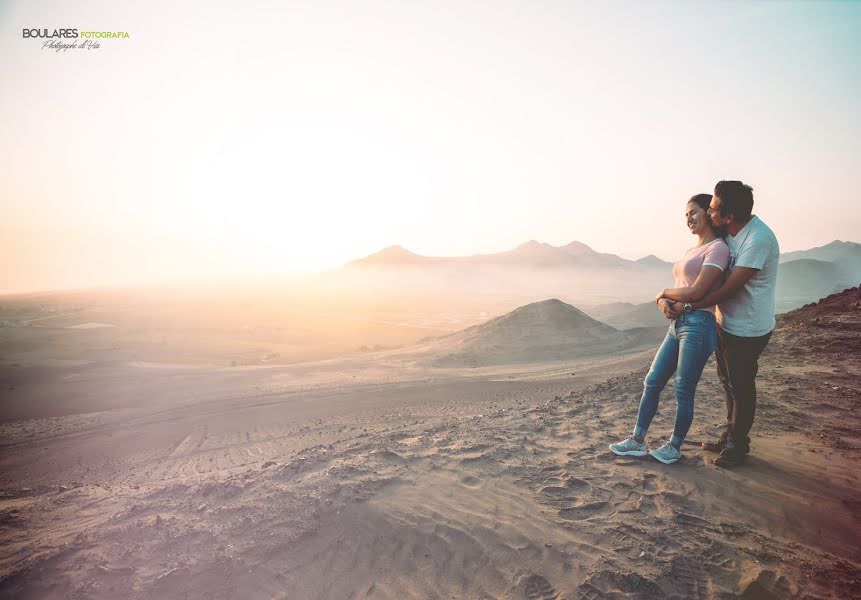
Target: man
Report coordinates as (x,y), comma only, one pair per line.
(745,313)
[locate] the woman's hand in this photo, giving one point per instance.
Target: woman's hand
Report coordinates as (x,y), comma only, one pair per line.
(661,294)
(668,308)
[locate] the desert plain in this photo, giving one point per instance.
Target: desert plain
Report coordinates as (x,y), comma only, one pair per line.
(196,452)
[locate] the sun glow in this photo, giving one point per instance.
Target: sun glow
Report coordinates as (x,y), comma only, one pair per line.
(331,134)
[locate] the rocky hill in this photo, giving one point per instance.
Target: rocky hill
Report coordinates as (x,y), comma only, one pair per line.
(542,331)
(830,327)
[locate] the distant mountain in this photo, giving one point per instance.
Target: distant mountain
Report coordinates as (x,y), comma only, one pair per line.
(806,280)
(533,270)
(798,282)
(393,255)
(601,312)
(836,251)
(534,248)
(577,254)
(846,255)
(628,316)
(543,331)
(653,261)
(532,254)
(577,249)
(577,274)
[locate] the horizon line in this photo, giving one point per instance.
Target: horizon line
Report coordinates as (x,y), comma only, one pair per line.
(232,277)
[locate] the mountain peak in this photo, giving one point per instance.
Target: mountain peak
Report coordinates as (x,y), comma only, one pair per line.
(534,245)
(840,244)
(395,251)
(650,259)
(575,248)
(390,255)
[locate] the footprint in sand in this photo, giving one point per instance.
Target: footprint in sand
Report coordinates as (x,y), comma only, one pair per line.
(714,556)
(537,587)
(692,522)
(624,536)
(583,512)
(471,482)
(575,483)
(387,456)
(690,578)
(558,493)
(587,591)
(607,585)
(650,482)
(771,586)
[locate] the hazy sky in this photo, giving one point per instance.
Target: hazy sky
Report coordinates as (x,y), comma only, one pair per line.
(229,137)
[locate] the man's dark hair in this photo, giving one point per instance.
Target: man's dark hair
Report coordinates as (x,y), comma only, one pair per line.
(701,200)
(736,198)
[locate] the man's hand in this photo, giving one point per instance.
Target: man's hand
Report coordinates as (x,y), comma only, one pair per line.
(668,307)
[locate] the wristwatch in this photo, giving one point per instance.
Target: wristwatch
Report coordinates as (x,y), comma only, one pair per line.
(689,308)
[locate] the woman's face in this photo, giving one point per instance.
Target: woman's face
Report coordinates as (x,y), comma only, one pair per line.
(697,218)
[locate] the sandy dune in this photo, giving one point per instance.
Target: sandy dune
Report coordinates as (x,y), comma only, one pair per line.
(545,331)
(434,484)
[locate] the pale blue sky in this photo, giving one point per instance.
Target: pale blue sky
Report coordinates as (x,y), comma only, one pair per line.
(229,137)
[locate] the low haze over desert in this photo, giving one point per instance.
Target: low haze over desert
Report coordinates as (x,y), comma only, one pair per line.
(249,441)
(375,300)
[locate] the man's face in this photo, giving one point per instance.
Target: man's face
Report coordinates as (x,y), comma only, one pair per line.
(714,213)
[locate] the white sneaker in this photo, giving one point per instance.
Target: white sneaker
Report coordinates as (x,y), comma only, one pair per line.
(629,447)
(667,454)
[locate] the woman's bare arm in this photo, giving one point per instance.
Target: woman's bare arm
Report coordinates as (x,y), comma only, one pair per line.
(705,280)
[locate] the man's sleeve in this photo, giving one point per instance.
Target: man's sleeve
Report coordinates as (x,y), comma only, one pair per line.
(754,254)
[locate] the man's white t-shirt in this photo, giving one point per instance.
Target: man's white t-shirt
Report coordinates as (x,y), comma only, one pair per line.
(750,311)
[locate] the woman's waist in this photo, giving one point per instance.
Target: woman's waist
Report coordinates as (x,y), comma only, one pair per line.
(700,315)
(688,282)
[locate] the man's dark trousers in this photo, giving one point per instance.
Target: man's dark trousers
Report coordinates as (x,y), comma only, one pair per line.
(737,364)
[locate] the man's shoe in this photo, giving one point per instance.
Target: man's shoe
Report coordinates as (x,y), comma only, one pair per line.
(715,446)
(719,444)
(729,457)
(629,447)
(667,454)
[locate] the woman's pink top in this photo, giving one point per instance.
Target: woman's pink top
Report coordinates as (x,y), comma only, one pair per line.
(686,271)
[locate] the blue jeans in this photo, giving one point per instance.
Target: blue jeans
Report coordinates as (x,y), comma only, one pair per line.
(690,341)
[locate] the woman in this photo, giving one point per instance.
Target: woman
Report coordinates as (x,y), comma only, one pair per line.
(690,339)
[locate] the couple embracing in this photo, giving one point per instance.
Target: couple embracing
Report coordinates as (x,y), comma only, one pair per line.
(723,302)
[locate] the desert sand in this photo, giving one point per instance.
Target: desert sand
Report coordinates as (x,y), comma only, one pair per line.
(377,476)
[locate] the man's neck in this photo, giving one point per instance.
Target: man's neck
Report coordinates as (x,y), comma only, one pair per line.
(736,226)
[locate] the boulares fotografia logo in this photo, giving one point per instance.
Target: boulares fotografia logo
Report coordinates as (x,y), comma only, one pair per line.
(64,39)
